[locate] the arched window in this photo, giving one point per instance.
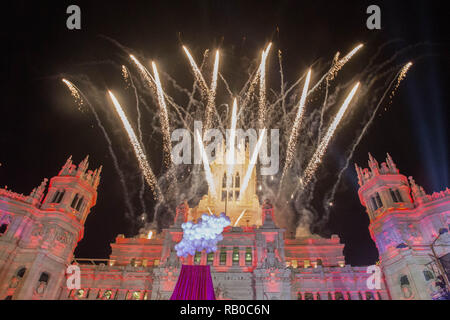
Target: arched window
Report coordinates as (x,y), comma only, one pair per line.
(319,262)
(318,296)
(44,277)
(237,181)
(21,272)
(3,228)
(428,275)
(309,296)
(299,296)
(404,281)
(224,181)
(369,296)
(349,296)
(360,296)
(338,296)
(379,296)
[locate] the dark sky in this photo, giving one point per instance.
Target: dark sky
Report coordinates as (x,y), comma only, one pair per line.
(41,127)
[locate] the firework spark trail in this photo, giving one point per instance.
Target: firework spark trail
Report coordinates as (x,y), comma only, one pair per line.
(283,97)
(212,93)
(340,63)
(397,79)
(317,157)
(239,218)
(144,73)
(262,87)
(290,151)
(164,118)
(231,148)
(322,111)
(208,174)
(74,90)
(140,155)
(129,80)
(197,73)
(252,163)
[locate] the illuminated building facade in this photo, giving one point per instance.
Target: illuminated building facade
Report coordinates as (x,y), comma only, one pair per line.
(255,260)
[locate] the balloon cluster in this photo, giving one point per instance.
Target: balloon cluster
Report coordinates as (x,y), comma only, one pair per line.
(203,235)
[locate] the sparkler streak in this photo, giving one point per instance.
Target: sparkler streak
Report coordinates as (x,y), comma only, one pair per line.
(140,155)
(290,151)
(212,93)
(208,174)
(252,163)
(197,73)
(317,157)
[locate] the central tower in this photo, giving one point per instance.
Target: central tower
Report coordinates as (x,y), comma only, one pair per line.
(240,202)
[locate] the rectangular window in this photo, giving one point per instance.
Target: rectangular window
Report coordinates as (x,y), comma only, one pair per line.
(235,255)
(197,257)
(399,197)
(223,257)
(379,203)
(393,196)
(306,264)
(210,258)
(224,195)
(248,256)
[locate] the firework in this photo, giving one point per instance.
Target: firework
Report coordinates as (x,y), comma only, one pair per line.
(74,93)
(252,163)
(79,96)
(239,218)
(320,151)
(164,118)
(296,127)
(231,144)
(339,63)
(197,73)
(212,93)
(401,77)
(208,174)
(144,73)
(262,86)
(140,155)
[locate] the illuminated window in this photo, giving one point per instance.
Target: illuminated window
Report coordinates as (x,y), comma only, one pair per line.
(379,296)
(197,257)
(248,256)
(137,295)
(318,297)
(294,264)
(223,256)
(306,264)
(319,262)
(80,293)
(210,258)
(299,296)
(338,296)
(235,255)
(107,294)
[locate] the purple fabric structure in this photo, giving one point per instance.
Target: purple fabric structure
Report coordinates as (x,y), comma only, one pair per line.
(194,283)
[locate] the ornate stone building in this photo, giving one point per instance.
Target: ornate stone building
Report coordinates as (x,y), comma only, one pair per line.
(255,260)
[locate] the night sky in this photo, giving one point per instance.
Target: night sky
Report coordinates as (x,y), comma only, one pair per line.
(41,125)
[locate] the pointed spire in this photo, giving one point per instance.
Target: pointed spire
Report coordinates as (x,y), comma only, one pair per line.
(96,179)
(416,190)
(360,176)
(391,164)
(82,167)
(38,192)
(66,167)
(373,164)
